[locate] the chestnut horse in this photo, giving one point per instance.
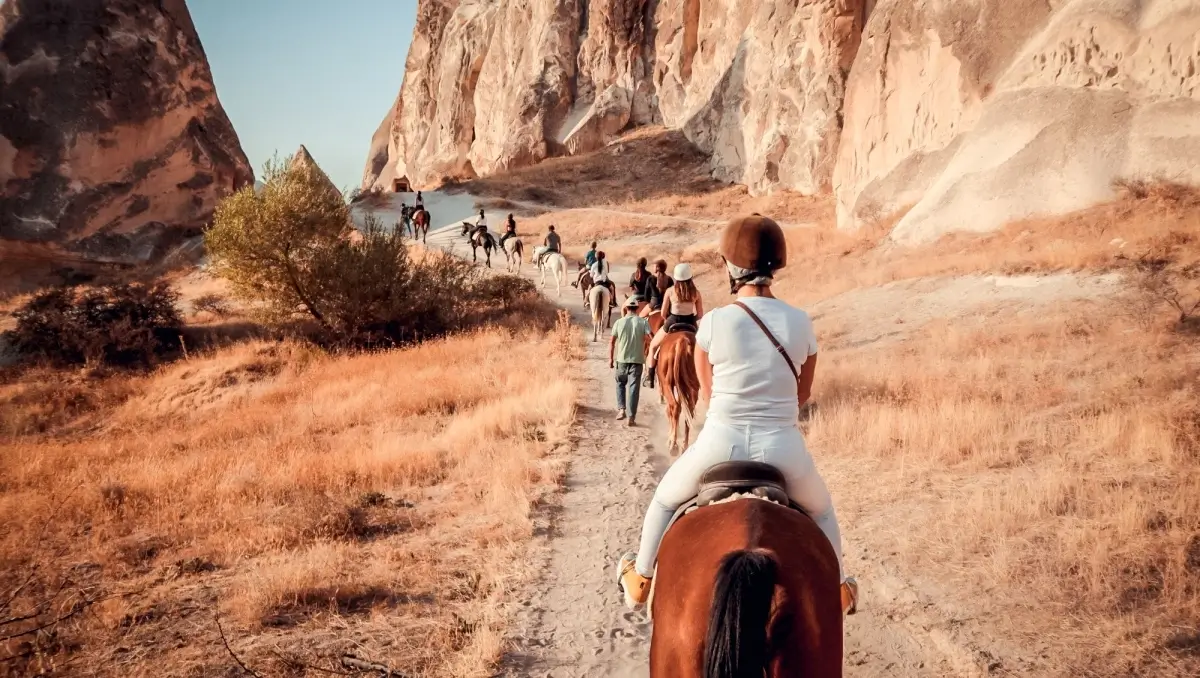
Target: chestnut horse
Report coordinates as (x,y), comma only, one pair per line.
(420,221)
(746,588)
(656,321)
(678,386)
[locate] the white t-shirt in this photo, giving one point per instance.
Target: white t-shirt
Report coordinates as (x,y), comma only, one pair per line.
(751,381)
(600,271)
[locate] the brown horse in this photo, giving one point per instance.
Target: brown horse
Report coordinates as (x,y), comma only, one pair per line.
(656,321)
(746,588)
(421,219)
(585,284)
(678,386)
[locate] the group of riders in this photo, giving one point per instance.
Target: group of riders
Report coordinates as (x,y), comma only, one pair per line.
(755,361)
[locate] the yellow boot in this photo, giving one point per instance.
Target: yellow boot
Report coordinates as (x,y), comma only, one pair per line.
(635,587)
(850,596)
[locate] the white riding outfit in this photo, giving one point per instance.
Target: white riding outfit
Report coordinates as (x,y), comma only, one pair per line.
(600,271)
(752,416)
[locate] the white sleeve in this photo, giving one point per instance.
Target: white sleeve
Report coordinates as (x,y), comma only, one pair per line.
(704,332)
(810,336)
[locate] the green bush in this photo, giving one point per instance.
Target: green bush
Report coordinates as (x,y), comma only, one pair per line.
(290,250)
(124,325)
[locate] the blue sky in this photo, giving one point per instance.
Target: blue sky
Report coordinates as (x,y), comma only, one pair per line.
(310,72)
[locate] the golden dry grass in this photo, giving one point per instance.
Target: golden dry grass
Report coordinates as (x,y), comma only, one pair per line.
(370,503)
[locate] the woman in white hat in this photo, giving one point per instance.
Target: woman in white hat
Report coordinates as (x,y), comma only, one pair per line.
(681,304)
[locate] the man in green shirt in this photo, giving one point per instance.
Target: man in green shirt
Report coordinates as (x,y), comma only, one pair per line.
(627,352)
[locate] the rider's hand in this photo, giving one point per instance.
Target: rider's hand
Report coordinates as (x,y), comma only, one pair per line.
(611,365)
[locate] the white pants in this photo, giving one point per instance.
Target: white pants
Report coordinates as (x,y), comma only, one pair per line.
(780,446)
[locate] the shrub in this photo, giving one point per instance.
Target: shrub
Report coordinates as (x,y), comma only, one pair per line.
(503,291)
(212,303)
(124,325)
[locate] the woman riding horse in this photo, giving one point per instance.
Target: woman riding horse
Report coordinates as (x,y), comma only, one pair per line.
(755,392)
(682,303)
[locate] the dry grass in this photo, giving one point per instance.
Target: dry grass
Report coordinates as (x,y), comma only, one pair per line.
(374,503)
(1041,473)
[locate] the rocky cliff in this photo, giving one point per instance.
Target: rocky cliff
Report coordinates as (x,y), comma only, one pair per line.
(111,135)
(959,115)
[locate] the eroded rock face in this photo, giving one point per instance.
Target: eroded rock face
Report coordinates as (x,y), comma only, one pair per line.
(111,134)
(984,112)
(491,86)
(303,159)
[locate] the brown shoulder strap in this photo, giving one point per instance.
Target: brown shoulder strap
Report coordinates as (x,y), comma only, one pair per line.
(778,346)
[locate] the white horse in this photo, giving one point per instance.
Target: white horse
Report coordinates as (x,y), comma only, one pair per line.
(599,301)
(555,263)
(514,249)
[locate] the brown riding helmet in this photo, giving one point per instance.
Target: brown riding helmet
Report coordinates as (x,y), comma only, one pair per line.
(754,243)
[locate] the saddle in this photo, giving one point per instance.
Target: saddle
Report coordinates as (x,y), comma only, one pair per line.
(727,480)
(686,327)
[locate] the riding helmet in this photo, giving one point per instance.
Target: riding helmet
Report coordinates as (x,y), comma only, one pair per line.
(682,272)
(755,243)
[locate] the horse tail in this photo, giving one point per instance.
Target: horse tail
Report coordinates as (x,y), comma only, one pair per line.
(737,645)
(687,381)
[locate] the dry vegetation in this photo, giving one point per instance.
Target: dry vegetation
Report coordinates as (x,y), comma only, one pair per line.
(373,504)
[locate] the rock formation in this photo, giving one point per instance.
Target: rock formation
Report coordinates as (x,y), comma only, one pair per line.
(111,135)
(303,159)
(981,112)
(958,115)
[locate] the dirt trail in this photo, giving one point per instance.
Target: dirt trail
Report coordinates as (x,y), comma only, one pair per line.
(571,622)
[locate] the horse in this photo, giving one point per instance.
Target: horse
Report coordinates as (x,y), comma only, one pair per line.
(486,241)
(514,249)
(656,321)
(746,588)
(678,386)
(585,284)
(421,219)
(601,310)
(553,262)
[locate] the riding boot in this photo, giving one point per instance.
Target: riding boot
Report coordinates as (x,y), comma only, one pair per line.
(648,382)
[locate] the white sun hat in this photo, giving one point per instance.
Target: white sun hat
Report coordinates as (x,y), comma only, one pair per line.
(683,272)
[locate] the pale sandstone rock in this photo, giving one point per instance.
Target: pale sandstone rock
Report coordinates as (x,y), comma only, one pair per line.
(990,112)
(112,139)
(303,159)
(602,121)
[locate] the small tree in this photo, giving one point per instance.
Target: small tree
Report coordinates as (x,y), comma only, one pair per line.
(265,243)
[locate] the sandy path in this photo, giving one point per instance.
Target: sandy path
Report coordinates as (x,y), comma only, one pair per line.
(571,622)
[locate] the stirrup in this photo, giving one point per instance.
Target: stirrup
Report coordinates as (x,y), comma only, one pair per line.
(849,591)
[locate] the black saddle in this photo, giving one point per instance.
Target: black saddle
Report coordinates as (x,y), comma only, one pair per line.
(688,327)
(742,477)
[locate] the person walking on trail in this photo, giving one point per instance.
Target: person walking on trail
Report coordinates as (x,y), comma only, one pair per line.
(627,353)
(600,270)
(552,243)
(756,360)
(510,230)
(682,304)
(662,283)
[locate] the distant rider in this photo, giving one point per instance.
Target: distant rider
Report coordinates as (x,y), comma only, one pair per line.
(420,203)
(552,243)
(639,286)
(588,260)
(510,230)
(480,228)
(600,270)
(682,303)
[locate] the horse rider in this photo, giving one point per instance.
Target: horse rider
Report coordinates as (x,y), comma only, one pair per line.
(744,361)
(662,283)
(420,202)
(480,228)
(681,303)
(589,258)
(639,285)
(510,230)
(552,243)
(600,270)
